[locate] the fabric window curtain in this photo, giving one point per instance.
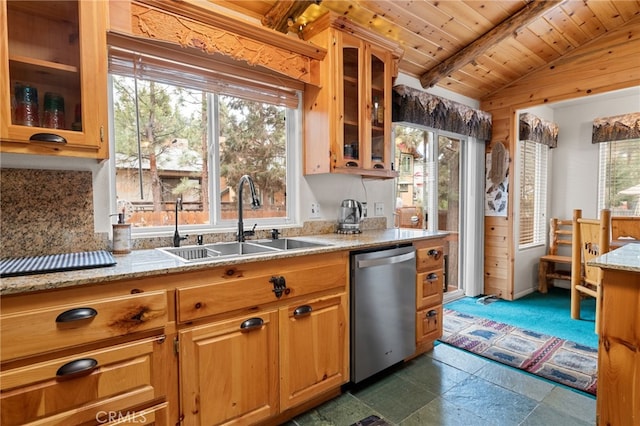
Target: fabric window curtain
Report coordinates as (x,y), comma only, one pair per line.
(616,128)
(534,129)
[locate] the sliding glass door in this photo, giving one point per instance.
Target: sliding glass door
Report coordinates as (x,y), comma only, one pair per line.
(428,190)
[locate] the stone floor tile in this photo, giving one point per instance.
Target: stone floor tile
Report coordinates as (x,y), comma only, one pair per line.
(545,415)
(576,404)
(515,380)
(490,402)
(457,358)
(441,412)
(435,376)
(341,411)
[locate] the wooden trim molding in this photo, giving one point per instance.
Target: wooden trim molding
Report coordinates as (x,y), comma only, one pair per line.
(214,34)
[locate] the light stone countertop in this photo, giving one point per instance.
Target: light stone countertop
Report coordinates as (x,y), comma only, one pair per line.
(144,263)
(625,258)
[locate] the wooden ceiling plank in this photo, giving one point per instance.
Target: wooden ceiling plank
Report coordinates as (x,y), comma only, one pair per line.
(584,18)
(496,11)
(607,13)
(531,12)
(254,8)
(531,43)
(627,9)
(563,23)
(471,76)
(548,34)
(473,20)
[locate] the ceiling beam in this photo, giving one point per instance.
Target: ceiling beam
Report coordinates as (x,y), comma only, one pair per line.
(509,27)
(284,13)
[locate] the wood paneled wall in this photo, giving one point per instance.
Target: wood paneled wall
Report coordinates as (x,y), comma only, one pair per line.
(605,64)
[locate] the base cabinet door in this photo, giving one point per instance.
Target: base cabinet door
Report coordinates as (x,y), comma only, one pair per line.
(314,344)
(231,376)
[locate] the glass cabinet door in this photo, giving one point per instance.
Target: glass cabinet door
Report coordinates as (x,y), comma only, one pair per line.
(351,106)
(377,112)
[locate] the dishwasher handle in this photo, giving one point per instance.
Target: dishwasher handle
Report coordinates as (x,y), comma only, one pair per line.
(368,263)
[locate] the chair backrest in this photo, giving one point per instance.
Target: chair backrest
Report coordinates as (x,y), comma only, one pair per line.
(560,234)
(594,238)
(625,226)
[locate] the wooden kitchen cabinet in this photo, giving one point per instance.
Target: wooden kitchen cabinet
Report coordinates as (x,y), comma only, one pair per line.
(348,119)
(81,356)
(229,370)
(429,292)
(313,348)
(261,338)
(57,47)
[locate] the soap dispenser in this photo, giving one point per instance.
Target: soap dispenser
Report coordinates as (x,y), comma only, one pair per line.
(121,236)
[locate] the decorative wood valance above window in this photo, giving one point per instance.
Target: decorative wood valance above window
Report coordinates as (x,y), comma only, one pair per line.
(617,128)
(418,107)
(532,128)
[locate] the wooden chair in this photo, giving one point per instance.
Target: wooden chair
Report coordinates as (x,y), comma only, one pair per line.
(625,228)
(591,238)
(560,236)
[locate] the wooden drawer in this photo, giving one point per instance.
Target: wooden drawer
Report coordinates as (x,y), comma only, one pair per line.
(253,285)
(109,380)
(429,324)
(66,325)
(428,258)
(157,415)
(429,288)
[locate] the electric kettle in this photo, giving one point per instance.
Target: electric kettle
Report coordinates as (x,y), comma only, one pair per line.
(349,217)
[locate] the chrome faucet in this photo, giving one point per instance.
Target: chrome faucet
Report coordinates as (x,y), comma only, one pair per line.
(255,203)
(176,235)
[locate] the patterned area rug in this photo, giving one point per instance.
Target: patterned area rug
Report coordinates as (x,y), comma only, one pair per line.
(546,356)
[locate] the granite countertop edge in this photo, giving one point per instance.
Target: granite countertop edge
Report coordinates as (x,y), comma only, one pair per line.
(625,258)
(153,262)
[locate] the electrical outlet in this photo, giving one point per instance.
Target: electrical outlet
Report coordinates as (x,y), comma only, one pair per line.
(378,209)
(315,211)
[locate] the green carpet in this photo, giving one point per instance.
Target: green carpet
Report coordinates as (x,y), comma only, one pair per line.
(543,313)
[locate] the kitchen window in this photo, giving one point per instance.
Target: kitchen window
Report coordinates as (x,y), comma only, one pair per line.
(619,177)
(189,132)
(533,158)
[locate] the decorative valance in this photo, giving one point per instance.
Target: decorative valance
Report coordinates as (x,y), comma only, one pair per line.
(418,107)
(616,128)
(532,128)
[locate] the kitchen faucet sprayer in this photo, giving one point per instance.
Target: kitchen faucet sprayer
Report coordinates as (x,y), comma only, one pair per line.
(255,203)
(176,235)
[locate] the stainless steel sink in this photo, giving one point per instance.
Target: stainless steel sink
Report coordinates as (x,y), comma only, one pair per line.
(289,244)
(234,249)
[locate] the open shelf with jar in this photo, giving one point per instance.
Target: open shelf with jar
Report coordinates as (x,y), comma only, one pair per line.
(349,117)
(53,80)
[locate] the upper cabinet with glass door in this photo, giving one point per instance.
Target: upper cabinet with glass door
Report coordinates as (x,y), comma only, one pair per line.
(348,119)
(54,78)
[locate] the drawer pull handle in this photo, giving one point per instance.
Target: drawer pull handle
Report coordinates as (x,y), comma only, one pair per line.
(302,311)
(435,253)
(47,137)
(432,277)
(76,314)
(78,367)
(432,313)
(251,324)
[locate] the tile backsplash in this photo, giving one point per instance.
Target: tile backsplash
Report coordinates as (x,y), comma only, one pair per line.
(47,212)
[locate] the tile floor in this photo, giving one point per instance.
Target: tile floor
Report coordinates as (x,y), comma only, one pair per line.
(449,386)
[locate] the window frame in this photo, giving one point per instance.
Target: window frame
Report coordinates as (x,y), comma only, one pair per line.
(293,133)
(604,199)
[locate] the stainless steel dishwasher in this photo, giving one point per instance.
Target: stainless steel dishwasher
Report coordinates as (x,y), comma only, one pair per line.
(383,309)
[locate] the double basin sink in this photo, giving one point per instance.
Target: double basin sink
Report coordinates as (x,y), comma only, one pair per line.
(237,249)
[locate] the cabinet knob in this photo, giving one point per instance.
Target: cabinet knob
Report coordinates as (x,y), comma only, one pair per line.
(302,311)
(251,324)
(435,253)
(432,313)
(76,314)
(279,286)
(78,367)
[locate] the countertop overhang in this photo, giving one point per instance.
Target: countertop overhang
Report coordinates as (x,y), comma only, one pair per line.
(625,258)
(152,262)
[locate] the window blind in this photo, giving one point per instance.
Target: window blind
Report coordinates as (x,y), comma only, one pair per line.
(533,193)
(619,177)
(183,69)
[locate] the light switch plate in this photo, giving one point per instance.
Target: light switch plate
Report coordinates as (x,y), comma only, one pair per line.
(378,209)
